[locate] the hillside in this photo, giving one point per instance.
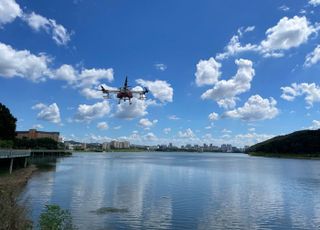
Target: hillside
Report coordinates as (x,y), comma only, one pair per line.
(304,143)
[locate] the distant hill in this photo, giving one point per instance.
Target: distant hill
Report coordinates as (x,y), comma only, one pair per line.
(304,143)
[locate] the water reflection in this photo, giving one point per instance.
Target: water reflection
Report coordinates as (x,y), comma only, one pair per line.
(182,191)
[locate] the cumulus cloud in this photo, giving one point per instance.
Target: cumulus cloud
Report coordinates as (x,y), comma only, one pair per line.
(146,123)
(160,66)
(167,130)
(35,67)
(37,22)
(310,91)
(225,92)
(234,47)
(313,57)
(288,33)
(150,137)
(58,32)
(256,108)
(87,113)
(49,113)
(89,77)
(66,73)
(138,108)
(161,90)
(102,125)
(9,10)
(213,116)
(314,2)
(251,138)
(37,126)
(208,72)
(315,125)
(188,133)
(14,63)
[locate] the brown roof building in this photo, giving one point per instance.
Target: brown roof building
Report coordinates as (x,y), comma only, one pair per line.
(34,134)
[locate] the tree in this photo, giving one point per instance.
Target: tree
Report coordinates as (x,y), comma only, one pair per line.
(7,124)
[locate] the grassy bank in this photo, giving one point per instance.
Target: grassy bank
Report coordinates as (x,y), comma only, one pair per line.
(13,215)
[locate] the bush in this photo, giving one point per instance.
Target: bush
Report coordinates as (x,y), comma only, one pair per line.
(55,218)
(5,144)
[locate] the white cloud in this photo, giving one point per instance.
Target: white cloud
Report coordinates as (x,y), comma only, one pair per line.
(251,138)
(225,92)
(208,72)
(59,34)
(173,117)
(38,22)
(102,125)
(311,92)
(146,123)
(9,10)
(66,73)
(87,113)
(284,8)
(288,33)
(313,57)
(315,125)
(23,64)
(234,47)
(167,130)
(92,93)
(160,66)
(49,113)
(117,127)
(188,133)
(226,131)
(256,108)
(150,137)
(213,116)
(37,126)
(89,77)
(138,108)
(314,2)
(252,129)
(161,90)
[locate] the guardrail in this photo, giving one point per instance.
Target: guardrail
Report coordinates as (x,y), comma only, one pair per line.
(13,153)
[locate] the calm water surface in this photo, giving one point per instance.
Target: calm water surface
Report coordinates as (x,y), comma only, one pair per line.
(181,191)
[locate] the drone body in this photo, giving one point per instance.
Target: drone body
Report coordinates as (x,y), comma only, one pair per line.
(125,93)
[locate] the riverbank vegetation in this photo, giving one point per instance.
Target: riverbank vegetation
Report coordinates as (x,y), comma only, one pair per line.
(300,144)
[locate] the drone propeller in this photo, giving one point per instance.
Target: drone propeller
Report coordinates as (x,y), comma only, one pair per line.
(145,90)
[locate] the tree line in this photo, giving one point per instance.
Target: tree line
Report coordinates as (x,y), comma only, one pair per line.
(8,134)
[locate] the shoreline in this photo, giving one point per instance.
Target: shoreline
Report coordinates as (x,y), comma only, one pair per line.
(283,156)
(12,214)
(19,177)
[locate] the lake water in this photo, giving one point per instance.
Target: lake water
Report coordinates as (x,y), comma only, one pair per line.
(181,191)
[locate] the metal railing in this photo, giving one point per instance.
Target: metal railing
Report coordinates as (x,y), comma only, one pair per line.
(13,153)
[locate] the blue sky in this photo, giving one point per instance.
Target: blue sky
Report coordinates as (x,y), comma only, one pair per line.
(234,72)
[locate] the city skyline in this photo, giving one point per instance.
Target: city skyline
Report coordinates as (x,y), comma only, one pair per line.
(218,72)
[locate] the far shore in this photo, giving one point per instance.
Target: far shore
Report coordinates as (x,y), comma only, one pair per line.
(286,156)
